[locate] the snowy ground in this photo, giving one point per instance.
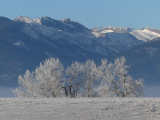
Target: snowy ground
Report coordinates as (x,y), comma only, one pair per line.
(80,109)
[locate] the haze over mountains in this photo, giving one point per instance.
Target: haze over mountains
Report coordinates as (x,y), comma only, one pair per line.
(25,42)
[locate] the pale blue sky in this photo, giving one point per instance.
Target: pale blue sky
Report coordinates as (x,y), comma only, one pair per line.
(91,13)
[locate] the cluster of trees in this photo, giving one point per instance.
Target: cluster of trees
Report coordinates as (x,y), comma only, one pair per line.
(87,79)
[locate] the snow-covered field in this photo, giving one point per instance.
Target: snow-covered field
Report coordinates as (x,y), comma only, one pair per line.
(80,109)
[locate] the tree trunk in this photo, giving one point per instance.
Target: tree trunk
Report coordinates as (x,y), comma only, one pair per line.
(70,90)
(66,93)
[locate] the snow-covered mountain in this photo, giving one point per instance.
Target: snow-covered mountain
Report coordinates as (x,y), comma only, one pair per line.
(145,34)
(75,33)
(25,42)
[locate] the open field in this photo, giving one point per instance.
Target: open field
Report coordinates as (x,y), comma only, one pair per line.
(80,109)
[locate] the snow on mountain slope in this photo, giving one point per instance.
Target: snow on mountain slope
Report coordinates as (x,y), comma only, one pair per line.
(74,33)
(105,41)
(85,40)
(80,109)
(113,29)
(117,39)
(145,34)
(56,30)
(19,44)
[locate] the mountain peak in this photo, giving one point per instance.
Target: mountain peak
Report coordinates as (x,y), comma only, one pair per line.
(46,18)
(67,20)
(147,28)
(23,19)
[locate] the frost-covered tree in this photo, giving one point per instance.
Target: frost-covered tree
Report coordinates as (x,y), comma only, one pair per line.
(104,87)
(73,76)
(45,81)
(27,85)
(80,79)
(117,82)
(49,76)
(90,77)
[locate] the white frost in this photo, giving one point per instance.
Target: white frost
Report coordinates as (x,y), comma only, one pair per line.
(19,44)
(80,109)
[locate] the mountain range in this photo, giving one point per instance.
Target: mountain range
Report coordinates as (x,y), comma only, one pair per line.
(25,42)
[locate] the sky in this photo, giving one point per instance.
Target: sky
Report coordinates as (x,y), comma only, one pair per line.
(91,13)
